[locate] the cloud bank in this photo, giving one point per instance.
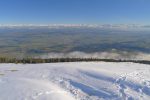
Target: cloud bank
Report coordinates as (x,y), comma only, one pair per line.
(102,55)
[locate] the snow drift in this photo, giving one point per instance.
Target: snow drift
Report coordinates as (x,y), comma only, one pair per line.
(75,81)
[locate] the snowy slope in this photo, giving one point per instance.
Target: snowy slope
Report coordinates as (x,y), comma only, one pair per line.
(75,81)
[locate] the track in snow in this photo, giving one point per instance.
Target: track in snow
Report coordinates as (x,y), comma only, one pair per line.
(78,80)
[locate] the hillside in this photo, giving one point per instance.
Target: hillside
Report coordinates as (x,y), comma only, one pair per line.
(75,80)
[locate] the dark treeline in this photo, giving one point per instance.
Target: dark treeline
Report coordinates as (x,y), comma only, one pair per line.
(55,60)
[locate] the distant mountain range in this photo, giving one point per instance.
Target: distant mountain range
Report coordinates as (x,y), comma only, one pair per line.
(120,26)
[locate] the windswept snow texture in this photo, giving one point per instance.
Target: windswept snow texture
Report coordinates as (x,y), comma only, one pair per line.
(75,81)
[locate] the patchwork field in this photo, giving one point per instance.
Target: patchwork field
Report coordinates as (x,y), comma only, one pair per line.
(38,40)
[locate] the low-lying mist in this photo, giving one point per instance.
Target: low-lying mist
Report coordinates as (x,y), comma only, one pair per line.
(101,55)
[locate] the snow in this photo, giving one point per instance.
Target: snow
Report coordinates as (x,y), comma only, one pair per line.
(75,81)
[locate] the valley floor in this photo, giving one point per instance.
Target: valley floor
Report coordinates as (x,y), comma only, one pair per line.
(75,81)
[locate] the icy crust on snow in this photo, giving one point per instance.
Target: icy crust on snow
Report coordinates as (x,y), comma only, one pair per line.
(75,81)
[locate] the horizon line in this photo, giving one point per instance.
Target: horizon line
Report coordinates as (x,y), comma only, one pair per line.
(80,25)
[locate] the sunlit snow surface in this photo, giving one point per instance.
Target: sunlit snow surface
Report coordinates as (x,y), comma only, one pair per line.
(75,81)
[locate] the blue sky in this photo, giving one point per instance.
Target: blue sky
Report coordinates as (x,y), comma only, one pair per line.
(75,11)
